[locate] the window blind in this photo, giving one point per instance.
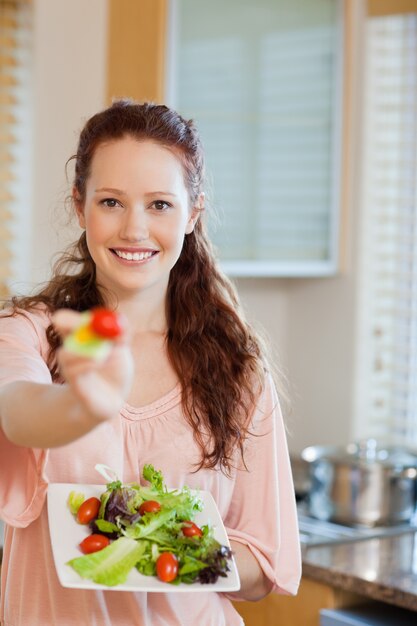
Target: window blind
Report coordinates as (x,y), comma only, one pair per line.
(388,304)
(15,29)
(262,80)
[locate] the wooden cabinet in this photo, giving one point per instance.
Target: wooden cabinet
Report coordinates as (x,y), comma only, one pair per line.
(136,49)
(301,610)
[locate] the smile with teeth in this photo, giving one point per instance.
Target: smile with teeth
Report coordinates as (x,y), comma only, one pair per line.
(134,256)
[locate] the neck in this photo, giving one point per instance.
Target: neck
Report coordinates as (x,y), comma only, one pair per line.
(145,312)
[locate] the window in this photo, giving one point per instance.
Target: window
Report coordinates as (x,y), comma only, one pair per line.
(15,132)
(387,371)
(263,80)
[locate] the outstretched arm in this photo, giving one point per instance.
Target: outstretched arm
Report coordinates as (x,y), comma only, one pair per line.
(47,415)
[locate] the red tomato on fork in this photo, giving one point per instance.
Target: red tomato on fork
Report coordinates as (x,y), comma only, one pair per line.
(105,323)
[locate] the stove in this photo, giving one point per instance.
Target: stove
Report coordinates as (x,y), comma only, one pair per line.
(315,532)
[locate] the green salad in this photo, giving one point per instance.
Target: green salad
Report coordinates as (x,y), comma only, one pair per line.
(150,528)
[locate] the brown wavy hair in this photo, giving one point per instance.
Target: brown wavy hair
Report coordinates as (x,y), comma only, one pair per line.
(215,353)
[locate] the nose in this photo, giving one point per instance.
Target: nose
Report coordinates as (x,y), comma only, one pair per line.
(135,225)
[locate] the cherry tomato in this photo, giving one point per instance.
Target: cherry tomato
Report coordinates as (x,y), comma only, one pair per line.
(167,567)
(149,506)
(88,510)
(94,543)
(106,323)
(191,530)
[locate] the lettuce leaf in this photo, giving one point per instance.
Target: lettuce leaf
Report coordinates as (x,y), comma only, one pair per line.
(105,527)
(149,523)
(75,500)
(154,477)
(111,565)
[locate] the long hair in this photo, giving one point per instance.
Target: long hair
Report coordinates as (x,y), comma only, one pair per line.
(216,355)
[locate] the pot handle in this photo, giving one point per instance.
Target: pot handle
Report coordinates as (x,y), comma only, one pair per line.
(408,472)
(414,515)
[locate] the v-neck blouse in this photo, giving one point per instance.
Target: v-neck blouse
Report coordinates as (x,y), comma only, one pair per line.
(157,407)
(157,434)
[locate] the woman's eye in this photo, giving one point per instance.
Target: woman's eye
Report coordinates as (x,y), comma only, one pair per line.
(161,205)
(111,203)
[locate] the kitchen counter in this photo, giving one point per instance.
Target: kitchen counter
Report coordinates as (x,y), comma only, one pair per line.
(383,569)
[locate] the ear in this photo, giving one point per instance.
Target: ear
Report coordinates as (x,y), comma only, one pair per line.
(78,207)
(195,214)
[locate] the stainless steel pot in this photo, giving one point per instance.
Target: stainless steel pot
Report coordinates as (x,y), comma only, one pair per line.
(362,484)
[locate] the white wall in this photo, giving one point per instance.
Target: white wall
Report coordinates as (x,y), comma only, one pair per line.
(310,323)
(321,355)
(69,86)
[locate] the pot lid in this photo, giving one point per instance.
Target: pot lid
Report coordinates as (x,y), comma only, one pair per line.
(365,451)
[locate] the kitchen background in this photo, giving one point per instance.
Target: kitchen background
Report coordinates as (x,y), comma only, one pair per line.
(314,73)
(346,92)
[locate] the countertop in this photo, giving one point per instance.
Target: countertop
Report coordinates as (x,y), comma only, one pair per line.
(383,569)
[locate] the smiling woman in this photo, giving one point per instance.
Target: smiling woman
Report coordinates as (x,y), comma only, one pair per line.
(185,388)
(137,227)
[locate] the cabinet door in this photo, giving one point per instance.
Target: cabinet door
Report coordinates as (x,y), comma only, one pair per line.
(136,42)
(264,82)
(301,610)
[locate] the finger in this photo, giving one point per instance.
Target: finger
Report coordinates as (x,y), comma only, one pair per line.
(66,320)
(73,365)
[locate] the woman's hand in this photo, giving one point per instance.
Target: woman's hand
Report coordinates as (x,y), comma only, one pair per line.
(254,585)
(101,387)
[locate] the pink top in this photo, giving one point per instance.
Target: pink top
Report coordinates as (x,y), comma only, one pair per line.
(258,506)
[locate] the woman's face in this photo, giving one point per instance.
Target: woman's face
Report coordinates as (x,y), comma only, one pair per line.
(136,214)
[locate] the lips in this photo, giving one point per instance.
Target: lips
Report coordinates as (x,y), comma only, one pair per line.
(134,254)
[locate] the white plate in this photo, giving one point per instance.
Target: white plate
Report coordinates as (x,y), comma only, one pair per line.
(66,534)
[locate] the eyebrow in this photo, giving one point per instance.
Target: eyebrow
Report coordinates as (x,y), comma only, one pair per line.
(120,192)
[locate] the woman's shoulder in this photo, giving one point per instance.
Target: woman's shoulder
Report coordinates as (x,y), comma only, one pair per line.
(269,396)
(38,315)
(28,324)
